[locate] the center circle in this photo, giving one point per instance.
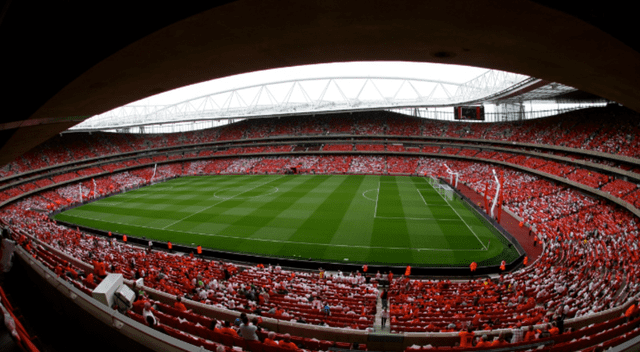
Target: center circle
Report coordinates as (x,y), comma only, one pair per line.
(245,193)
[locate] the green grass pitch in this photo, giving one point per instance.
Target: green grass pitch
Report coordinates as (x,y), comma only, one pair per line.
(392,220)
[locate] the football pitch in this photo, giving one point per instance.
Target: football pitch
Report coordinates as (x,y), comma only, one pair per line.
(391,220)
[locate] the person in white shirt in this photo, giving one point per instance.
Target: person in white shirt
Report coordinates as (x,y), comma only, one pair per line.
(384,316)
(248,331)
(148,316)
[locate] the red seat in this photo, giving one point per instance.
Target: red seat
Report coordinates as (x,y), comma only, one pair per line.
(325,345)
(227,340)
(136,317)
(297,340)
(211,346)
(312,344)
(240,342)
(267,348)
(190,328)
(254,346)
(215,336)
(344,345)
(262,335)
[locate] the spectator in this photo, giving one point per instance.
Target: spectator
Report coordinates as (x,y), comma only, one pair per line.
(227,329)
(326,310)
(530,335)
(484,342)
(545,332)
(179,305)
(384,316)
(270,339)
(384,298)
(500,342)
(632,311)
(70,272)
(466,337)
(147,314)
(286,343)
(248,331)
(517,333)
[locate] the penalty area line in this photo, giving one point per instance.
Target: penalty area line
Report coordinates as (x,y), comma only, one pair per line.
(469,227)
(409,218)
(375,211)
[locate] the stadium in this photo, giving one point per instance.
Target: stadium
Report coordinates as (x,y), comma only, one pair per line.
(347,187)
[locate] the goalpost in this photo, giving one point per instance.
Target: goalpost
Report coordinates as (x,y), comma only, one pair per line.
(445,191)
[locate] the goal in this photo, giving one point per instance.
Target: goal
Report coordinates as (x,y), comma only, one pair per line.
(444,190)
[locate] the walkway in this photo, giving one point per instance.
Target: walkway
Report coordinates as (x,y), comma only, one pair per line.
(377,324)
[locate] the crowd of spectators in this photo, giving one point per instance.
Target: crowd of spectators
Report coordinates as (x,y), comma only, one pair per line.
(579,129)
(588,266)
(590,246)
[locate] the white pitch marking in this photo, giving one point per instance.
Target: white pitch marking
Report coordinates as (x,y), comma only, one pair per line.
(469,227)
(421,196)
(367,191)
(407,218)
(284,241)
(213,205)
(375,211)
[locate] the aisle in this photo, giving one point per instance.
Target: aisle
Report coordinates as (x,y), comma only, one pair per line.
(377,324)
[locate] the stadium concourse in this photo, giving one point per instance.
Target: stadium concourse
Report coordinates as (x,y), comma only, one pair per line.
(565,179)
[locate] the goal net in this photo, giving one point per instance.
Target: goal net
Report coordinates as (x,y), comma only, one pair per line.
(444,190)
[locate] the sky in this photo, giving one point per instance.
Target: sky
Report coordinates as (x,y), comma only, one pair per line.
(449,73)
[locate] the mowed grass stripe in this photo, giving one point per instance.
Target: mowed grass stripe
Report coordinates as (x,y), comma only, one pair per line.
(391,232)
(352,239)
(323,223)
(272,219)
(412,203)
(281,223)
(217,215)
(389,201)
(431,197)
(185,201)
(239,192)
(231,214)
(333,201)
(225,198)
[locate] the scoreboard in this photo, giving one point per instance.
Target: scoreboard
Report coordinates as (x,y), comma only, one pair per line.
(474,113)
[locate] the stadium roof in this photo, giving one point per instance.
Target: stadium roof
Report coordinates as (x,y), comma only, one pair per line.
(65,62)
(315,95)
(300,95)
